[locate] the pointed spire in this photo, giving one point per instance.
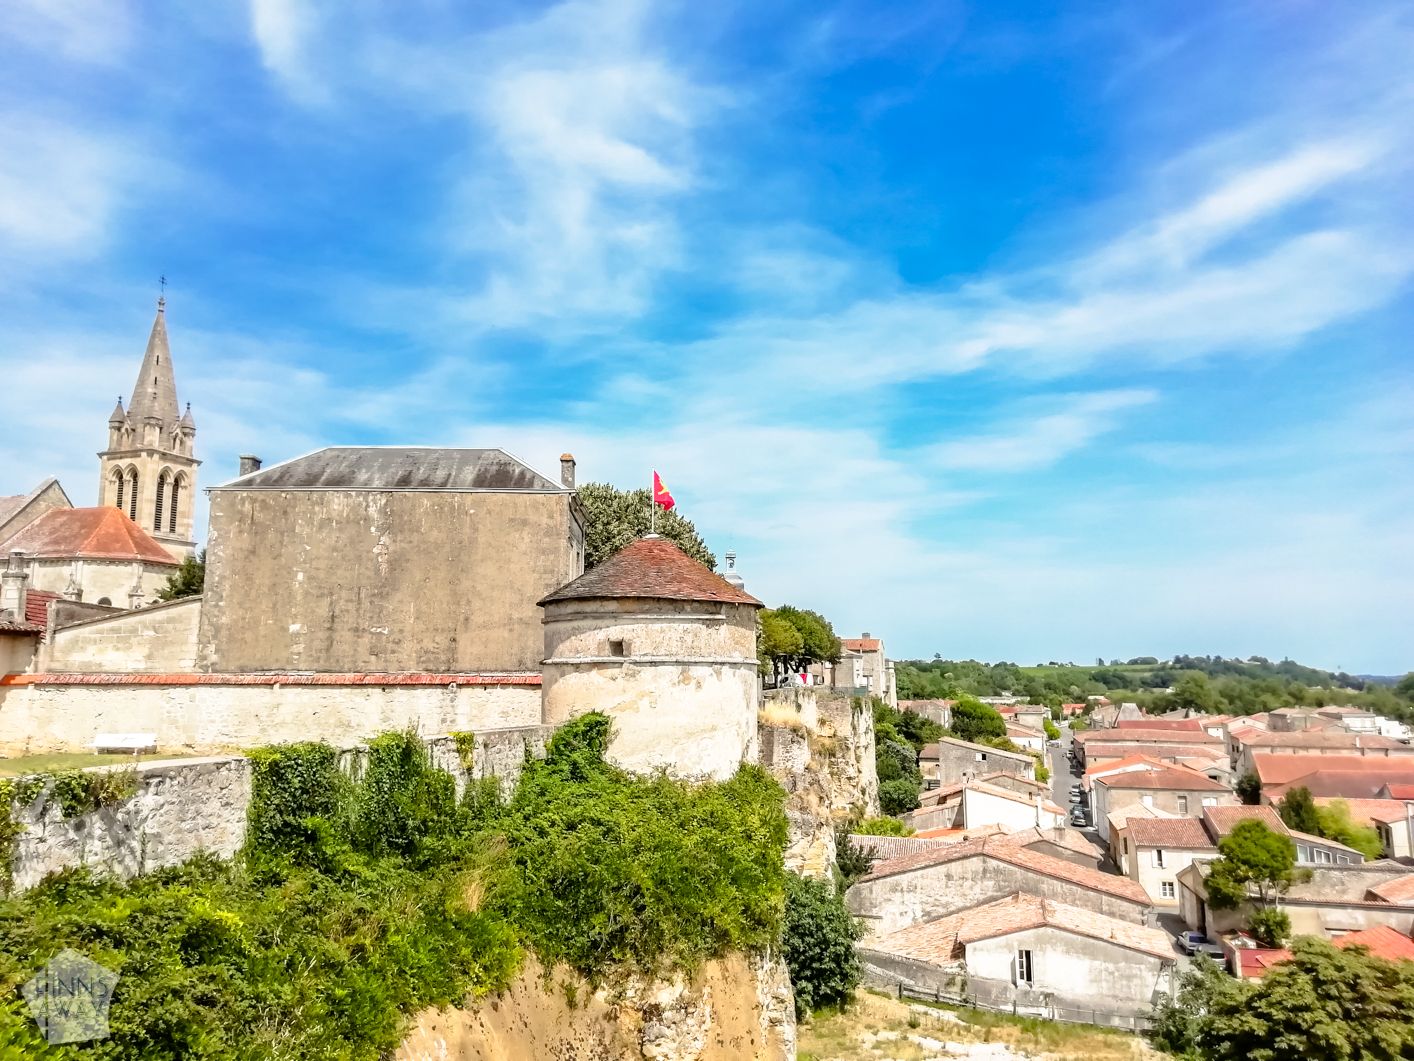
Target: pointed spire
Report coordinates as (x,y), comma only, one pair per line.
(187,420)
(155,393)
(118,417)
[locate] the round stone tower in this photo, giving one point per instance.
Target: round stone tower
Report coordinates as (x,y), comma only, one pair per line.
(664,647)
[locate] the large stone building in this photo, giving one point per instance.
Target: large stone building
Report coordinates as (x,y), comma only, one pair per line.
(390,559)
(667,649)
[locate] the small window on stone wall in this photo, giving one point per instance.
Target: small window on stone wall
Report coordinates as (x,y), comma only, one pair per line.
(618,648)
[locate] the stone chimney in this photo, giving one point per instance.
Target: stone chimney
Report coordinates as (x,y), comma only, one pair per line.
(249,464)
(12,587)
(567,470)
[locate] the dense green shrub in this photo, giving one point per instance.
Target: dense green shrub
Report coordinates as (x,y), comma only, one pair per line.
(896,797)
(852,860)
(818,944)
(356,902)
(882,827)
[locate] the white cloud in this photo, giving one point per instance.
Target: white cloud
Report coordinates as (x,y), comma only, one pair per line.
(1042,441)
(283,30)
(92,31)
(60,186)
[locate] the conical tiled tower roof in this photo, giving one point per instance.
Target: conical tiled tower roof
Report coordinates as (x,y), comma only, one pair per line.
(653,568)
(155,392)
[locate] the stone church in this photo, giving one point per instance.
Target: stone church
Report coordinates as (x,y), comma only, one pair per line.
(119,553)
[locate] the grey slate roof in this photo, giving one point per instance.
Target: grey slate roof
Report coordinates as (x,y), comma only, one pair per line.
(398,468)
(155,392)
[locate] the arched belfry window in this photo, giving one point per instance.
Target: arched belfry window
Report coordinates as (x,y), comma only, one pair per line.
(118,486)
(132,494)
(172,505)
(157,505)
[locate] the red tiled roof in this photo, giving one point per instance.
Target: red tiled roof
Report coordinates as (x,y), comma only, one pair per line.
(269,679)
(1186,724)
(861,644)
(37,603)
(1356,776)
(940,940)
(1168,735)
(1223,820)
(1318,739)
(1401,791)
(1400,890)
(1120,765)
(1169,832)
(89,533)
(1174,778)
(1255,962)
(1158,751)
(1382,942)
(1006,849)
(1369,810)
(652,568)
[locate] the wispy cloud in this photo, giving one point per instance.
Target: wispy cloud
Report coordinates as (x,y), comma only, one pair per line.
(1043,440)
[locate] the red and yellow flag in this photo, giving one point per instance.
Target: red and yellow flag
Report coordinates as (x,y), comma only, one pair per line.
(660,493)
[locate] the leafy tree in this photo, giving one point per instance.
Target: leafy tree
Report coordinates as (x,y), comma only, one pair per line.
(809,639)
(852,860)
(187,581)
(1336,824)
(909,726)
(818,944)
(1250,857)
(898,796)
(975,721)
(1325,1004)
(615,518)
(1195,692)
(1051,730)
(894,761)
(1249,788)
(1405,686)
(882,827)
(1270,926)
(1178,1020)
(1298,811)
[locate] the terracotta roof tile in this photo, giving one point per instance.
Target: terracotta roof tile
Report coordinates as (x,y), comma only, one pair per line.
(1169,832)
(37,603)
(1382,941)
(1401,791)
(90,533)
(1223,820)
(1400,890)
(1319,739)
(1186,724)
(270,679)
(652,568)
(1006,849)
(1355,776)
(942,940)
(1171,778)
(1145,736)
(1369,810)
(861,644)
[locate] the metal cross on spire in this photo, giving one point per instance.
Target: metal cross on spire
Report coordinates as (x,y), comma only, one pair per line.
(162,298)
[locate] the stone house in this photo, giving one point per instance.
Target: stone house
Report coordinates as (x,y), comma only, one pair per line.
(1026,738)
(1342,776)
(940,711)
(1333,900)
(932,884)
(387,559)
(651,637)
(1033,954)
(875,669)
(1175,789)
(949,761)
(974,804)
(18,510)
(1246,744)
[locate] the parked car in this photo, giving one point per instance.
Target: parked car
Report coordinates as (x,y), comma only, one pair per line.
(1077,817)
(1194,943)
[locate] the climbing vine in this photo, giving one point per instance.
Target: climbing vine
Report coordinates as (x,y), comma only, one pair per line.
(79,792)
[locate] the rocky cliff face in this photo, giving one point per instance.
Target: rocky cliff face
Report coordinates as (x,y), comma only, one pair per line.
(820,747)
(735,1009)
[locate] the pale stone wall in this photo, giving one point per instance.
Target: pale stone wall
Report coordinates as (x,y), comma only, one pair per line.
(206,718)
(186,806)
(159,639)
(684,692)
(894,902)
(1075,971)
(983,808)
(17,652)
(1151,877)
(336,580)
(99,579)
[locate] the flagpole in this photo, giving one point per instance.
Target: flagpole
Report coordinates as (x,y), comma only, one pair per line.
(652,508)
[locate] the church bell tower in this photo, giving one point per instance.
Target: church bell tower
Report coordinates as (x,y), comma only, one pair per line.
(149,470)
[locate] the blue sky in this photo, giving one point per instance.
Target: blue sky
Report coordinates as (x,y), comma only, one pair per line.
(996,330)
